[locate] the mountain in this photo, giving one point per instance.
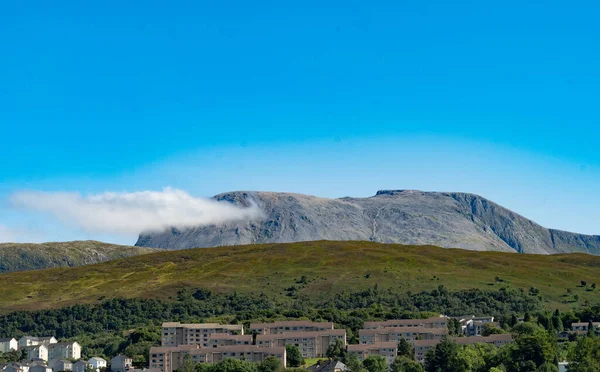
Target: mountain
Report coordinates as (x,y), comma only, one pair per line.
(450,220)
(329,267)
(20,257)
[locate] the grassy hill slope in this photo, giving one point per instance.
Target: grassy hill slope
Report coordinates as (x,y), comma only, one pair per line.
(277,270)
(21,257)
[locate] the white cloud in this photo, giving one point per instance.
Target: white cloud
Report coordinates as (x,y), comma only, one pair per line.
(6,234)
(135,212)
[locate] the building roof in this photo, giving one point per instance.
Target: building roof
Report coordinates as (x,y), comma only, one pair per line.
(397,330)
(224,336)
(292,323)
(7,339)
(330,366)
(582,324)
(202,325)
(401,322)
(304,334)
(98,359)
(34,338)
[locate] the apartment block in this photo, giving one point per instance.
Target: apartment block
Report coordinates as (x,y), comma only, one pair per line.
(289,326)
(410,334)
(224,339)
(311,344)
(177,334)
(169,359)
(433,322)
(388,350)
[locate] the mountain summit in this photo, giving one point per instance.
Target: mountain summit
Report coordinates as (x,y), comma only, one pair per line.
(451,220)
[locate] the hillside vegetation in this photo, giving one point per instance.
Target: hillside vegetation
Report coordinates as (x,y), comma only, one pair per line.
(313,269)
(21,257)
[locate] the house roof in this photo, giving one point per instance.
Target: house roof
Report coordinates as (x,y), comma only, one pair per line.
(98,359)
(7,339)
(203,325)
(330,366)
(305,334)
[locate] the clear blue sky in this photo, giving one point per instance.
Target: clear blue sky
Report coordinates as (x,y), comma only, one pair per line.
(336,98)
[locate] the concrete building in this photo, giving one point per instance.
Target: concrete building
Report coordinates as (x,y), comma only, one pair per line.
(169,359)
(177,334)
(388,350)
(312,344)
(289,326)
(39,367)
(8,344)
(97,363)
(120,363)
(410,334)
(36,352)
(433,322)
(26,341)
(67,350)
(80,366)
(422,347)
(223,339)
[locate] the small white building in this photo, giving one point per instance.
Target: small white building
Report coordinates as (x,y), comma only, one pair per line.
(8,344)
(26,341)
(60,365)
(37,352)
(97,363)
(120,363)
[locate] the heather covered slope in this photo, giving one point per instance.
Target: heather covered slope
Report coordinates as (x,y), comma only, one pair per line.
(27,256)
(450,220)
(328,267)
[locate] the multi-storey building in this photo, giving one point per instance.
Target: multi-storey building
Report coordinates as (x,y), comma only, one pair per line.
(177,334)
(311,344)
(289,326)
(67,350)
(433,322)
(421,348)
(224,339)
(388,350)
(169,359)
(410,334)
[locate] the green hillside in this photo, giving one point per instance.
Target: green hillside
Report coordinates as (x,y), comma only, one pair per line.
(312,269)
(27,256)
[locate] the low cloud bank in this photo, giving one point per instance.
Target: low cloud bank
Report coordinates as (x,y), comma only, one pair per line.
(135,212)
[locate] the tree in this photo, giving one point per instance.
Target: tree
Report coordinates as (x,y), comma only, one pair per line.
(293,356)
(336,350)
(445,357)
(405,349)
(353,363)
(585,356)
(403,364)
(489,329)
(454,328)
(375,363)
(270,364)
(531,351)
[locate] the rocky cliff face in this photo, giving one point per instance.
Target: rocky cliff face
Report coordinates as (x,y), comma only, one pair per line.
(452,220)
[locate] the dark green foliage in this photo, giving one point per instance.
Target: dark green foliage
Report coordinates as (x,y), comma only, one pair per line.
(405,349)
(270,364)
(293,356)
(445,357)
(375,363)
(404,364)
(336,350)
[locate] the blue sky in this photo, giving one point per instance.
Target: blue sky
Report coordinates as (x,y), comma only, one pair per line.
(335,99)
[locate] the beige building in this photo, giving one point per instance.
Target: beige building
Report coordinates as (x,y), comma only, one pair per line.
(169,359)
(177,334)
(433,322)
(289,326)
(388,350)
(410,334)
(312,344)
(224,339)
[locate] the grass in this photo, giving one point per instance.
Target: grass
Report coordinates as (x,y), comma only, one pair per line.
(328,267)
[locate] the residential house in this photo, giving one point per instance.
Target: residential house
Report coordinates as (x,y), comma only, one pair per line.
(60,365)
(388,350)
(330,365)
(312,344)
(120,363)
(39,367)
(97,363)
(289,326)
(26,341)
(17,367)
(583,326)
(67,350)
(169,359)
(433,322)
(176,334)
(80,366)
(8,344)
(36,352)
(410,334)
(223,339)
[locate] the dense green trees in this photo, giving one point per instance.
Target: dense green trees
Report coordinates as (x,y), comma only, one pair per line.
(375,363)
(404,364)
(585,356)
(405,349)
(336,350)
(293,356)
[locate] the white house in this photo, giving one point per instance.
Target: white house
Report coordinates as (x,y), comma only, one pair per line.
(8,344)
(37,352)
(80,366)
(120,363)
(60,365)
(26,341)
(97,363)
(64,350)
